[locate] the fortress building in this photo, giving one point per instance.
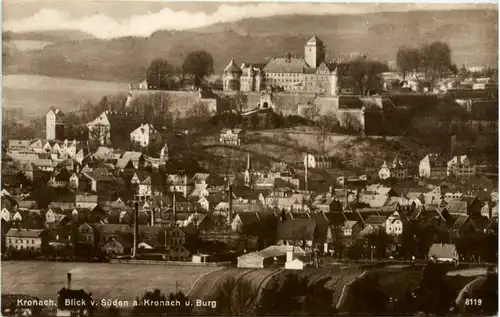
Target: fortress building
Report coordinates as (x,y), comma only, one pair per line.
(308,74)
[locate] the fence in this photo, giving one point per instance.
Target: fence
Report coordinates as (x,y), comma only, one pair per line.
(169,263)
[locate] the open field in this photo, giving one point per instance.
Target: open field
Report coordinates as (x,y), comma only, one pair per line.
(468,272)
(116,281)
(35,94)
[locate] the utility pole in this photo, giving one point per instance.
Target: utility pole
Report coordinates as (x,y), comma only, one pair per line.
(136,229)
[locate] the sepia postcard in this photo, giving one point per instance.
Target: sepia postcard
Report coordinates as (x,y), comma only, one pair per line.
(275,158)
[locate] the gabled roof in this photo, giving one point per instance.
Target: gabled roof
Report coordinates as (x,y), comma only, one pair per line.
(349,224)
(460,221)
(124,241)
(376,220)
(242,207)
(24,233)
(248,218)
(456,206)
(286,65)
(296,229)
(336,218)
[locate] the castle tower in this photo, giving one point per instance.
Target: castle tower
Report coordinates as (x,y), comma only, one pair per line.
(314,52)
(54,124)
(259,80)
(251,78)
(231,77)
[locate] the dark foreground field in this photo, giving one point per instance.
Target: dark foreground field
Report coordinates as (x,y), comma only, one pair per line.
(110,281)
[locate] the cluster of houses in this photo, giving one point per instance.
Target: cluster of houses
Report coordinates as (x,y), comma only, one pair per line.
(432,166)
(178,202)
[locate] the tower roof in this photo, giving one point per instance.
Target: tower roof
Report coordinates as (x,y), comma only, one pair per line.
(232,67)
(314,40)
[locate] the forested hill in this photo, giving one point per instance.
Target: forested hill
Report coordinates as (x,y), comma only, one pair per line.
(472,35)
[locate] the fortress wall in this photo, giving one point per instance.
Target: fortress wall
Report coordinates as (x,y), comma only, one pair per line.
(179,101)
(286,103)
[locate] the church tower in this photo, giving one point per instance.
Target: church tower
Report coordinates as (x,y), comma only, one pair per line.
(314,52)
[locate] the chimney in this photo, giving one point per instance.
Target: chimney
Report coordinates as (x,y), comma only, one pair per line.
(230,213)
(305,176)
(136,229)
(69,280)
(174,206)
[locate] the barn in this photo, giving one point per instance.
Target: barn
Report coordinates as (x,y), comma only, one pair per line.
(273,255)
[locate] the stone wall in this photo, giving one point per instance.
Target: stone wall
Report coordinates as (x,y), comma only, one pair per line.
(179,101)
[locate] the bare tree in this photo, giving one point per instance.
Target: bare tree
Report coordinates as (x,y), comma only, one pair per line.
(240,101)
(351,124)
(198,110)
(408,59)
(312,112)
(234,297)
(99,134)
(327,124)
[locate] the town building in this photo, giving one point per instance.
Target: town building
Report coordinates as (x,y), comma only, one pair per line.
(231,136)
(317,161)
(308,74)
(143,135)
(460,167)
(140,85)
(54,124)
(110,124)
(24,239)
(433,166)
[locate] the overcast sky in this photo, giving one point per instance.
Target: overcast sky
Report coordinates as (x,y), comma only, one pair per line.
(107,19)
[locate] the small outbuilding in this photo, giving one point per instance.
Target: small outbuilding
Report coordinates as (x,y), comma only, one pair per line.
(276,254)
(443,253)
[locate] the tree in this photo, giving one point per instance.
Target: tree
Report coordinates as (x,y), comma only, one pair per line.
(99,134)
(408,59)
(351,124)
(240,101)
(434,295)
(366,74)
(198,110)
(463,73)
(327,124)
(157,73)
(436,58)
(296,296)
(198,64)
(312,112)
(234,297)
(355,250)
(368,297)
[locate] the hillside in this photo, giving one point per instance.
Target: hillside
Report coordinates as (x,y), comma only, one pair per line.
(473,42)
(47,36)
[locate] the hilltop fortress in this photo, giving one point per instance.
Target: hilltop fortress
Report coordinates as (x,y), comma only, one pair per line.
(308,74)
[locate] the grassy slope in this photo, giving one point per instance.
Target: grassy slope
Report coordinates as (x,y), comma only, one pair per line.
(35,94)
(120,281)
(124,59)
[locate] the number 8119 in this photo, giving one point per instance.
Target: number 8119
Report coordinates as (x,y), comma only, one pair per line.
(473,302)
